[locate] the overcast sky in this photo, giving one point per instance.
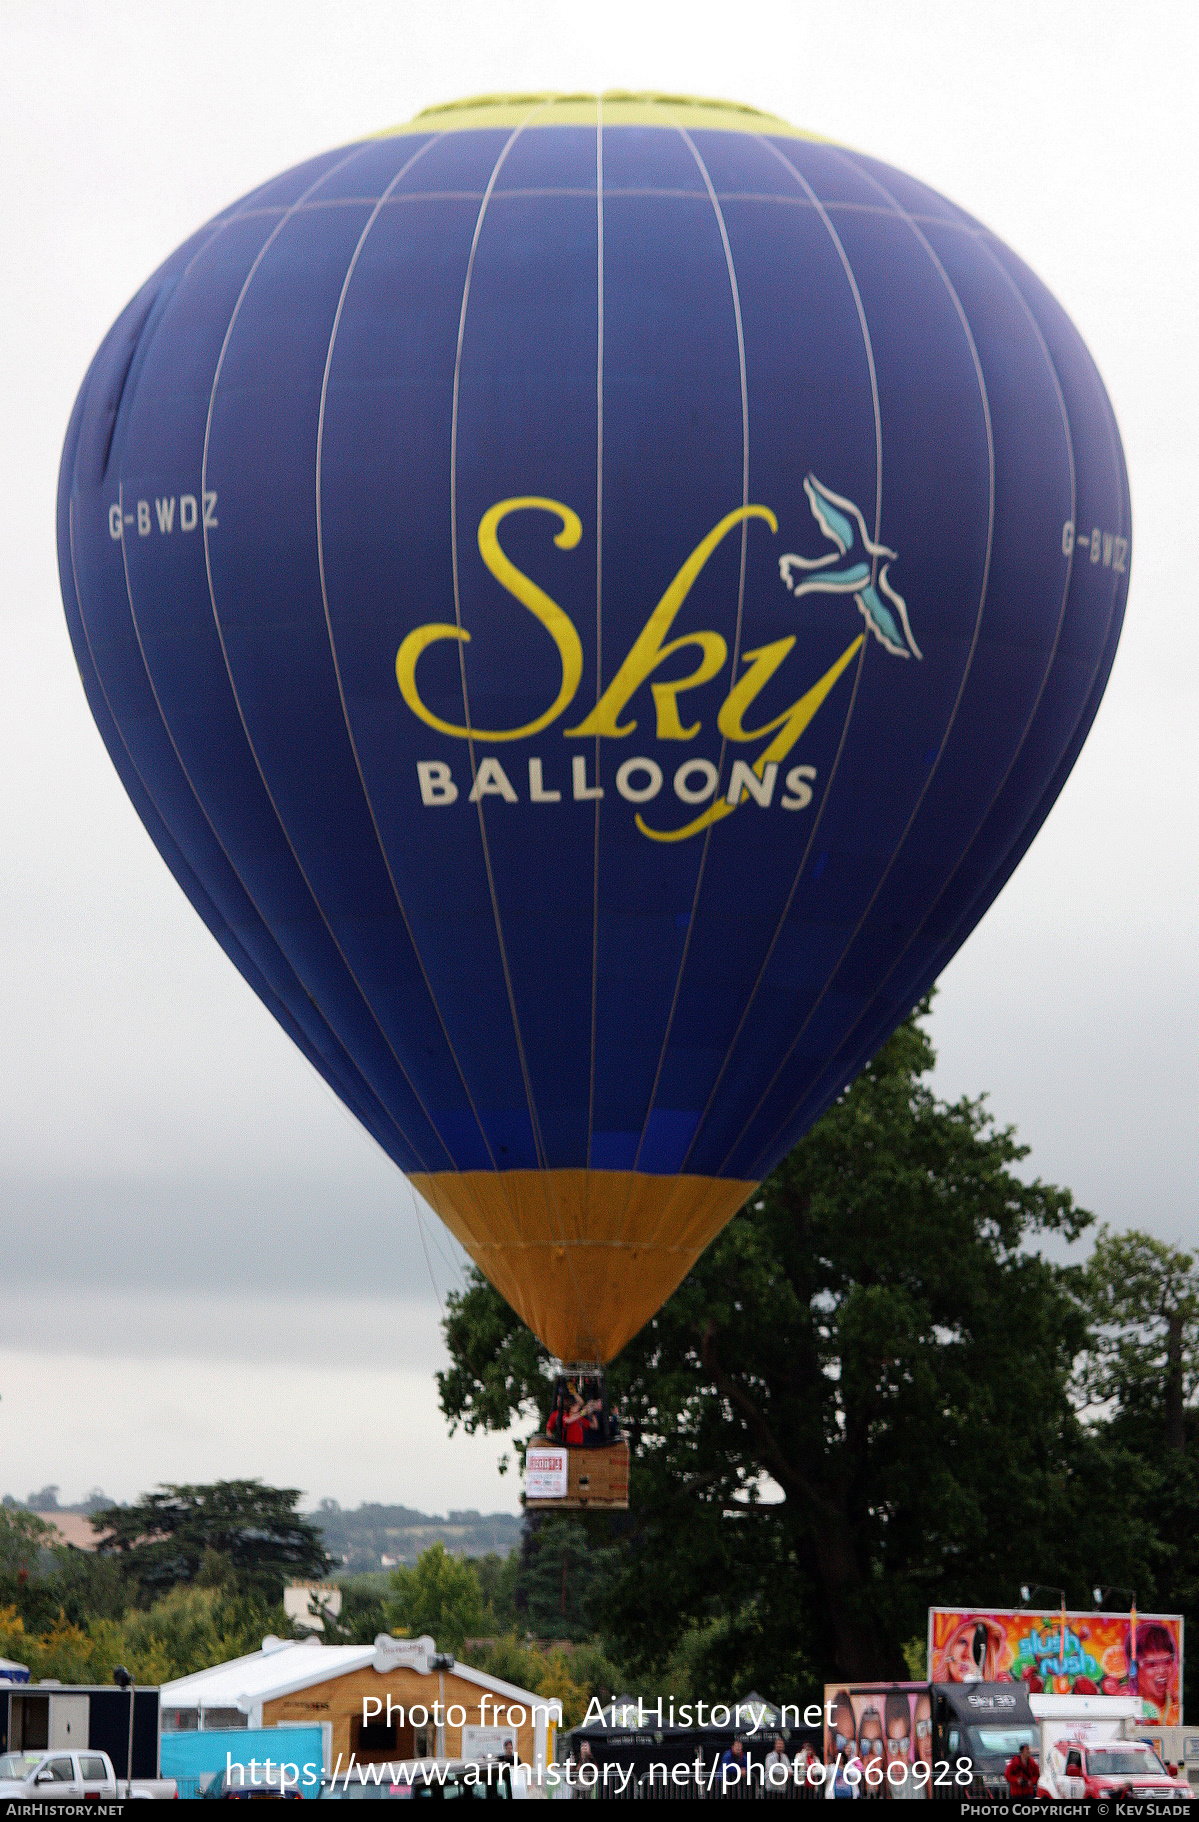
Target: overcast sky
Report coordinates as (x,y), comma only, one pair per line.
(208,1268)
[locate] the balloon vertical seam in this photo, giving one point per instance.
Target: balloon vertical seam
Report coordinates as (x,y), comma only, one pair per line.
(878,510)
(320,558)
(599,594)
(880,983)
(285,217)
(986,409)
(470,744)
(352,1082)
(1008,863)
(545,1175)
(703,859)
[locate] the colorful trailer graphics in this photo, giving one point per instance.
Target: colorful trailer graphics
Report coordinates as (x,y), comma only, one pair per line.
(1064,1653)
(884,1724)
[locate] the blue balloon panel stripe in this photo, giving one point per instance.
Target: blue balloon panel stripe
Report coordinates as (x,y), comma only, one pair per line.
(860,849)
(667,288)
(235,927)
(387,473)
(278,660)
(798,263)
(543,342)
(668,1130)
(1077,674)
(1005,666)
(204,729)
(895,934)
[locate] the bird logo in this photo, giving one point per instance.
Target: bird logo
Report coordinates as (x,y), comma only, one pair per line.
(850,569)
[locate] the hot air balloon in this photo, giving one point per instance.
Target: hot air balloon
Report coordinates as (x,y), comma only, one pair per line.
(591,599)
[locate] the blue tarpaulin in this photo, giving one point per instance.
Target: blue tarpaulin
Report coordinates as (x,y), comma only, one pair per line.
(192,1759)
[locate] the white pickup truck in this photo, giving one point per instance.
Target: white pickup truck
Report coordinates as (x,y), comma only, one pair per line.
(62,1776)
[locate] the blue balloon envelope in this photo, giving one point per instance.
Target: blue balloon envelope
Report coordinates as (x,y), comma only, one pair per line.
(592,600)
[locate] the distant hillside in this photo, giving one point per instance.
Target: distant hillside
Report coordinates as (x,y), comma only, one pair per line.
(370,1537)
(379,1537)
(71,1522)
(46,1502)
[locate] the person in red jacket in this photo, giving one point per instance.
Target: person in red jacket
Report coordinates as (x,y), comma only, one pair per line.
(1022,1773)
(571,1413)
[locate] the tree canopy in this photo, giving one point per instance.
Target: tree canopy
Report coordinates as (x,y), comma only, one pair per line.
(439,1596)
(1139,1381)
(1143,1353)
(165,1536)
(23,1539)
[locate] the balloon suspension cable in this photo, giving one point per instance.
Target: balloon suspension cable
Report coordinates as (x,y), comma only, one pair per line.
(452,1264)
(420,1228)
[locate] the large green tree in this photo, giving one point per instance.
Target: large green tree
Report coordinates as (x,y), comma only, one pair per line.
(440,1596)
(253,1531)
(1139,1378)
(1142,1362)
(858,1401)
(562,1578)
(24,1540)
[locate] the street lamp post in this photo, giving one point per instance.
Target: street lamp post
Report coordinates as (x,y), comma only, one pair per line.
(1029,1593)
(1103,1594)
(123,1680)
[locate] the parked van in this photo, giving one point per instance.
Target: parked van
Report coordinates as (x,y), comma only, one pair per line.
(1089,1749)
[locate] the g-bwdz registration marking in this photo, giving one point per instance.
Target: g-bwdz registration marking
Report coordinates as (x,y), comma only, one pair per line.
(189,518)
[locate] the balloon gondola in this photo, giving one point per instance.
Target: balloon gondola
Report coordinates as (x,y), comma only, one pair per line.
(592,598)
(582,1459)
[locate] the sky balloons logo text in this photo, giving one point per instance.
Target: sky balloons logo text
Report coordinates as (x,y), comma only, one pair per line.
(857,566)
